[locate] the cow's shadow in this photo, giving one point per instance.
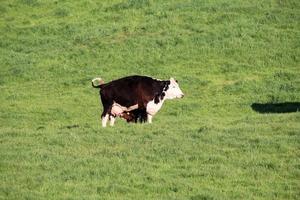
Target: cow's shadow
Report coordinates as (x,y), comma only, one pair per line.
(286,107)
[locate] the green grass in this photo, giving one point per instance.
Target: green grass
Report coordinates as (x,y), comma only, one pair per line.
(226,55)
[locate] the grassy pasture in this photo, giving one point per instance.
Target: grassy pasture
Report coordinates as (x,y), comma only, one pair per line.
(227,55)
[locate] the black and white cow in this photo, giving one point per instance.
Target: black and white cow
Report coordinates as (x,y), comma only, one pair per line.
(135,93)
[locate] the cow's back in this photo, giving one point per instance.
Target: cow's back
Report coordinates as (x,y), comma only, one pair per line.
(129,90)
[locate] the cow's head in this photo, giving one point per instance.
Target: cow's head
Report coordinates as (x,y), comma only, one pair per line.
(172,90)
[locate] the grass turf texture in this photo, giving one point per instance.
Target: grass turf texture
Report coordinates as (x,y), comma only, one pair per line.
(227,55)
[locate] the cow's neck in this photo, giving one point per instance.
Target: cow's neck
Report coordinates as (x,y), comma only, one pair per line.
(154,105)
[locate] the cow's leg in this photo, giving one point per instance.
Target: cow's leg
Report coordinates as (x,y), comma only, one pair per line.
(112,120)
(105,116)
(106,110)
(104,120)
(149,118)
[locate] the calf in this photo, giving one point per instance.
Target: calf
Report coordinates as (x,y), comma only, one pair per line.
(138,95)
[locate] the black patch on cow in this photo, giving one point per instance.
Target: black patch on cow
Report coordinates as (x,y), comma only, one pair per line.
(156,98)
(163,94)
(166,86)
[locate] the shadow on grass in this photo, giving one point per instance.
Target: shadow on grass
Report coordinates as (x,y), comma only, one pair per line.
(285,107)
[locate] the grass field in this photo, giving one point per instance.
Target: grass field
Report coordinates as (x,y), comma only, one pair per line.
(226,54)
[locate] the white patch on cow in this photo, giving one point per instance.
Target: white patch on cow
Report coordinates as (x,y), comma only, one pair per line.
(152,107)
(173,90)
(112,120)
(104,120)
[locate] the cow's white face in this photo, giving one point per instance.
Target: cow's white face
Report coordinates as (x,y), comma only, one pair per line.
(173,90)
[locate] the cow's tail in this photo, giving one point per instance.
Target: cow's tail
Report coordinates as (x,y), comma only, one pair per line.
(97,82)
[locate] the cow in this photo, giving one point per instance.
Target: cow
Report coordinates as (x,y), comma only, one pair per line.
(140,97)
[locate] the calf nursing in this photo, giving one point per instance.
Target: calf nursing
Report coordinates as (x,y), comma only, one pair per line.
(134,98)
